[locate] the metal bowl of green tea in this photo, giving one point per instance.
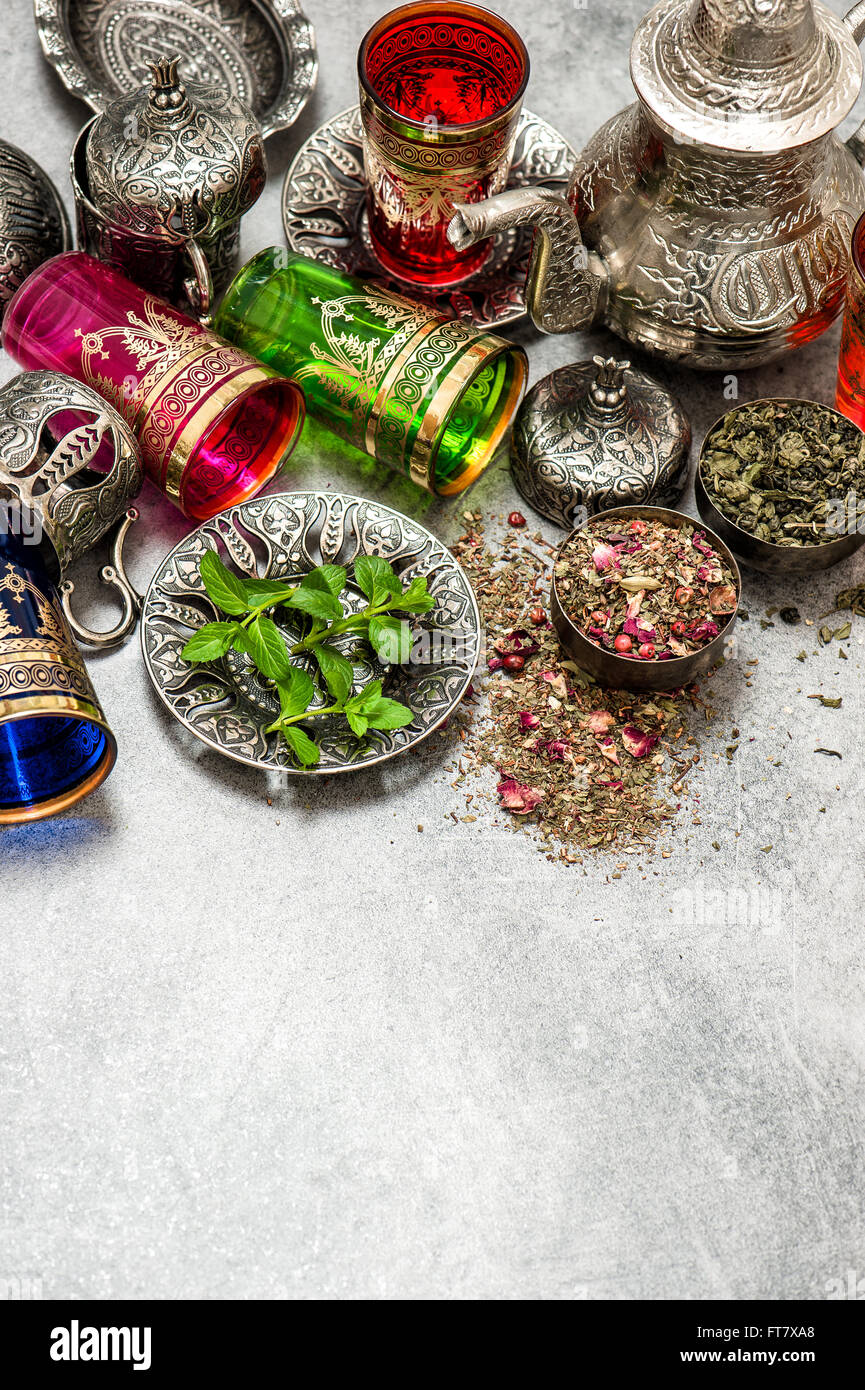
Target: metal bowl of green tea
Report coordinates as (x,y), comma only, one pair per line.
(782,482)
(673,600)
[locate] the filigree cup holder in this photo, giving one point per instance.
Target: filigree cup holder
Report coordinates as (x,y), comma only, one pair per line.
(212,424)
(69,471)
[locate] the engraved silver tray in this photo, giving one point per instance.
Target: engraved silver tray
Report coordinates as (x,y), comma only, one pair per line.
(225,704)
(324,215)
(261,50)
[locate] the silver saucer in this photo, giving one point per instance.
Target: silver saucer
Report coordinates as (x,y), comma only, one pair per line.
(263,51)
(284,535)
(323,212)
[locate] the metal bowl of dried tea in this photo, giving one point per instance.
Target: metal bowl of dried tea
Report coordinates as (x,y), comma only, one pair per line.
(783,483)
(644,598)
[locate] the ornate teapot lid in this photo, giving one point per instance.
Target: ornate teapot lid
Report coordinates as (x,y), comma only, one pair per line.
(595,435)
(183,158)
(746,75)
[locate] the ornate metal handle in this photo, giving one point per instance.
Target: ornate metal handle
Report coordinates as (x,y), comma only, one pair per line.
(855,21)
(114,575)
(199,286)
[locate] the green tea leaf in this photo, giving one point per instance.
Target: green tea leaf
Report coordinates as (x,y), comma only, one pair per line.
(358,724)
(376,578)
(336,669)
(267,591)
(391,638)
(318,603)
(388,714)
(302,746)
(227,590)
(209,642)
(330,579)
(295,690)
(268,649)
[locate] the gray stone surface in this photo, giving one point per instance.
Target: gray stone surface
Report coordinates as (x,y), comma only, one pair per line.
(301,1049)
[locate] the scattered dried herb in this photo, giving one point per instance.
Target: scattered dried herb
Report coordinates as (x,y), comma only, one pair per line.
(854,599)
(788,472)
(829,701)
(579,766)
(649,592)
(829,753)
(791,616)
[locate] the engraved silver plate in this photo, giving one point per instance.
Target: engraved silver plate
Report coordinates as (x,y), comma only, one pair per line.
(284,535)
(33,221)
(323,212)
(262,51)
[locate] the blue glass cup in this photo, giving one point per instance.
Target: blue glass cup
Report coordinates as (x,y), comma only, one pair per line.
(55,745)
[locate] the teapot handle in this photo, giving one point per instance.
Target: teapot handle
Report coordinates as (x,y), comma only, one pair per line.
(855,20)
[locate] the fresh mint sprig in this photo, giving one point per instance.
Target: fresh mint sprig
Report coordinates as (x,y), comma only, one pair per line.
(316,600)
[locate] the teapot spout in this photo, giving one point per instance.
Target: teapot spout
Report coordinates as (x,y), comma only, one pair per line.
(566,285)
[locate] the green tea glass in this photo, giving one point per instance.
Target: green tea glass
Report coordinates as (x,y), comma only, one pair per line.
(429,397)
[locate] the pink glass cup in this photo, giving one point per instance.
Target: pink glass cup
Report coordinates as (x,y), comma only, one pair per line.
(213,424)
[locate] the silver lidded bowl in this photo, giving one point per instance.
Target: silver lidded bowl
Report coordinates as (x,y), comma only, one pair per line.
(622,672)
(595,435)
(179,162)
(763,555)
(33,221)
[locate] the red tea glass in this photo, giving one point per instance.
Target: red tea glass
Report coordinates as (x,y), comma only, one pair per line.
(440,93)
(213,424)
(850,392)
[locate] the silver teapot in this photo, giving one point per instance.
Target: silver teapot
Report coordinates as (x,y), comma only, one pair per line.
(710,222)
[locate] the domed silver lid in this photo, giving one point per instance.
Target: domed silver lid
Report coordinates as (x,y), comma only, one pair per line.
(595,435)
(182,158)
(747,75)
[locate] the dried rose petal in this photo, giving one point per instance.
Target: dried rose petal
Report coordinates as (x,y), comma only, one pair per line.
(517,643)
(610,786)
(599,721)
(557,683)
(529,720)
(704,631)
(635,603)
(557,749)
(637,743)
(517,797)
(495,663)
(602,557)
(697,541)
(608,748)
(723,599)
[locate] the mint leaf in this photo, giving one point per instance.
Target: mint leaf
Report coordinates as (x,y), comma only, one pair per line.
(295,690)
(302,746)
(358,724)
(318,603)
(391,638)
(416,598)
(240,642)
(261,592)
(267,649)
(227,590)
(376,578)
(388,714)
(209,642)
(336,669)
(329,578)
(367,696)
